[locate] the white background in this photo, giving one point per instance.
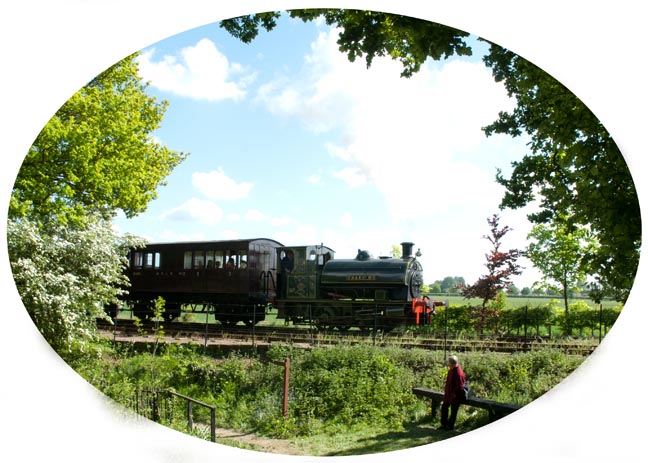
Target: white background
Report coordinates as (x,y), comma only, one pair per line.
(51,48)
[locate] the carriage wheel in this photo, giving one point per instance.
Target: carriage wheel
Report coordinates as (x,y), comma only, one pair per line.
(172,311)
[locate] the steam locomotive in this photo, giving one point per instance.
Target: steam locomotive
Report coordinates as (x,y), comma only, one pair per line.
(239,280)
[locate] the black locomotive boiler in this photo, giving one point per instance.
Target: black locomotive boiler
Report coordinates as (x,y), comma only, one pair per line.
(239,280)
(364,292)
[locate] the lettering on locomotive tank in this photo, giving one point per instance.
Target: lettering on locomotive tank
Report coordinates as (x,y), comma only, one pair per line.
(361,277)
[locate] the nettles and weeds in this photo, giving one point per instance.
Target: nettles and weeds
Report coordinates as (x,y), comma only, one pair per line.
(332,390)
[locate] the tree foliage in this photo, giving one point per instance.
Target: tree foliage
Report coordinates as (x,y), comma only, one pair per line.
(574,165)
(370,34)
(502,266)
(573,161)
(96,154)
(559,251)
(65,274)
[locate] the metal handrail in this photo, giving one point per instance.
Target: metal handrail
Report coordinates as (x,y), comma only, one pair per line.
(190,402)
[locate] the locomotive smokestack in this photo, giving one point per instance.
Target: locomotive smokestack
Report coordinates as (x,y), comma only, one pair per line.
(407,249)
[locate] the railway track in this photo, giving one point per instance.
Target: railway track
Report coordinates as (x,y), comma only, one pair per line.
(214,333)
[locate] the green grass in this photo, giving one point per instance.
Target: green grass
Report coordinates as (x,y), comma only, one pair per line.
(520,301)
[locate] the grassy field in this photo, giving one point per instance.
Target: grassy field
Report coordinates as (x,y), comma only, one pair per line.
(520,301)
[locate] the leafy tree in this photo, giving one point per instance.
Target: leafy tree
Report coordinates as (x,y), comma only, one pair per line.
(559,250)
(525,291)
(396,251)
(65,275)
(501,267)
(435,288)
(574,165)
(573,159)
(513,290)
(96,154)
(449,284)
(370,34)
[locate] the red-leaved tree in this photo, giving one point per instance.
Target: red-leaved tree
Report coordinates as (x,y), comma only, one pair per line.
(501,267)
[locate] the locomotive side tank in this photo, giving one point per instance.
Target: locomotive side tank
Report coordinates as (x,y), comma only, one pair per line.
(377,279)
(340,293)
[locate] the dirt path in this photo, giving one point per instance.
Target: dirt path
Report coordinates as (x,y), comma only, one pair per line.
(254,442)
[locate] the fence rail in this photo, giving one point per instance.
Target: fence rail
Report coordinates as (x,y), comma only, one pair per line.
(158,405)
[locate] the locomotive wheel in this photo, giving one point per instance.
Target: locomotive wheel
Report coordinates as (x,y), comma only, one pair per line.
(323,318)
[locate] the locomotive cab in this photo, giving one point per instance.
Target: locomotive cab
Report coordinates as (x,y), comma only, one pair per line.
(299,270)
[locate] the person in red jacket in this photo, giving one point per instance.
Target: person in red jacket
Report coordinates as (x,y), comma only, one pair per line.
(452,397)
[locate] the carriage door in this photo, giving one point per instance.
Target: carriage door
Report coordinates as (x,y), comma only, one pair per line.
(199,281)
(267,272)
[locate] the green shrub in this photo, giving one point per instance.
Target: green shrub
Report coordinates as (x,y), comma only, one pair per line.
(350,385)
(331,389)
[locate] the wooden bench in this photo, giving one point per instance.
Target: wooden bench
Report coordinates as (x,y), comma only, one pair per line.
(495,410)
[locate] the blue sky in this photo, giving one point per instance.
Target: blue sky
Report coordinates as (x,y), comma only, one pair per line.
(289,140)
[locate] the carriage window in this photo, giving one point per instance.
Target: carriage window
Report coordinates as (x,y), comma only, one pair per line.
(231,260)
(209,259)
(243,258)
(187,260)
(148,260)
(199,259)
(219,259)
(157,260)
(137,259)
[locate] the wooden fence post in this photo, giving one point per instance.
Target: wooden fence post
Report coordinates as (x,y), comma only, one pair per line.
(286,386)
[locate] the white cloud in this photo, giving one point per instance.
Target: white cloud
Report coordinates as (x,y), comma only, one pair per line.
(315,179)
(412,138)
(170,236)
(200,72)
(195,210)
(352,176)
(217,185)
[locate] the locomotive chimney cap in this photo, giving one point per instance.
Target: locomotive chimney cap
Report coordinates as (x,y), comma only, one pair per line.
(407,249)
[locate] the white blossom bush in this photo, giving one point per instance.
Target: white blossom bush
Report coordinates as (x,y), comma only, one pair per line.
(66,274)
